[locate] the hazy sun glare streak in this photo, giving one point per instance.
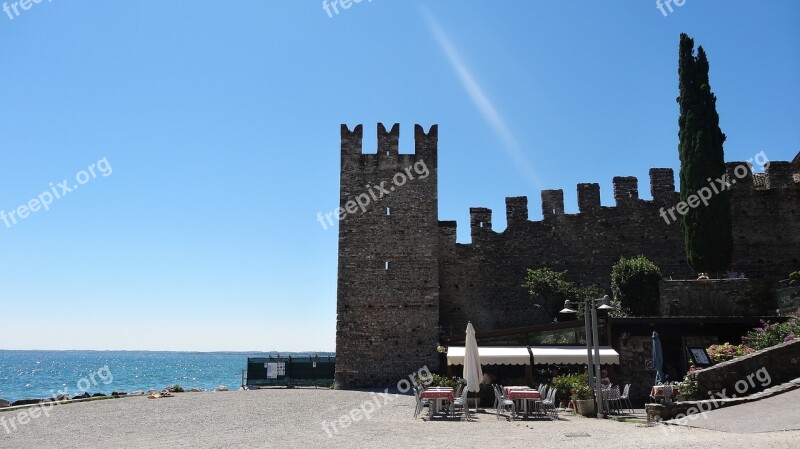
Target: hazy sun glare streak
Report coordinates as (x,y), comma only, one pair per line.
(481,101)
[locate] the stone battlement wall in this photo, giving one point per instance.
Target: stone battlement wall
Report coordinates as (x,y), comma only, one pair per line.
(481,281)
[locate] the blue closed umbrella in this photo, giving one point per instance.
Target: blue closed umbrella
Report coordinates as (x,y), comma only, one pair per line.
(658,358)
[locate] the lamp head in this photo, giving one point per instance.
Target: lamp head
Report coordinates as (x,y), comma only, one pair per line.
(606,304)
(569,307)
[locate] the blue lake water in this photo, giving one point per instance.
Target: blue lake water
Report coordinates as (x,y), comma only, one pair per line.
(41,374)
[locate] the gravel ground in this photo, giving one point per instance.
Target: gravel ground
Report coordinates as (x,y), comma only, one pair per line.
(294,418)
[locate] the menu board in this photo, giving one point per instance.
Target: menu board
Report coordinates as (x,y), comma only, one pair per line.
(275,370)
(699,356)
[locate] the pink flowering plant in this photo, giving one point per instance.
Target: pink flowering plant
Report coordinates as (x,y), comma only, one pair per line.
(771,334)
(727,351)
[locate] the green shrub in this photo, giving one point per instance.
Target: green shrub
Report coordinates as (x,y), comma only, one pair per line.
(549,289)
(444,381)
(688,387)
(175,389)
(794,278)
(570,385)
(634,284)
(564,385)
(583,392)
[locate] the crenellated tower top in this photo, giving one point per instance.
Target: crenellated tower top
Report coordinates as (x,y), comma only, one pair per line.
(388,155)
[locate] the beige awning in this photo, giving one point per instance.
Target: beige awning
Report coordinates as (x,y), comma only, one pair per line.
(512,355)
(569,355)
(542,355)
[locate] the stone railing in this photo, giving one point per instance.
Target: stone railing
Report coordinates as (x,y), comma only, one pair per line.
(752,373)
(756,376)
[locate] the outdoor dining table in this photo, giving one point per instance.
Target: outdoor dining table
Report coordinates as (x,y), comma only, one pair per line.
(437,395)
(524,396)
(506,390)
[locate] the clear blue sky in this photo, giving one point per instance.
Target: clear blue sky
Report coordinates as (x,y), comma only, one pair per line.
(220,121)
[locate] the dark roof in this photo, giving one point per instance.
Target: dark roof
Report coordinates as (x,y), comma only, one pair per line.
(516,330)
(693,319)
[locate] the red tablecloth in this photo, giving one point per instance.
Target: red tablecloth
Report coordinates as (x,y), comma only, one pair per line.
(506,390)
(524,394)
(436,393)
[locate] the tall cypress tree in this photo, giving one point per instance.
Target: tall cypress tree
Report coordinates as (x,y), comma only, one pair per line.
(706,229)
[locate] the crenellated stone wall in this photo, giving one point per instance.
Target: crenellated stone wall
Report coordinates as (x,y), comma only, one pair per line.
(481,281)
(403,279)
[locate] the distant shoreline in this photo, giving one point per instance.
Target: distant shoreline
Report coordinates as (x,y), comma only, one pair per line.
(40,374)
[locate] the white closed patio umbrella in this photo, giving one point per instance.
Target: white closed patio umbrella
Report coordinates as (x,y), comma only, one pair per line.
(472,365)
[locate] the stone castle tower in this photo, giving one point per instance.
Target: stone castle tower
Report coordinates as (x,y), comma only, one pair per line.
(388,276)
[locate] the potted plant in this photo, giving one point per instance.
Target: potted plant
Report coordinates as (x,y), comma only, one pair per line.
(584,400)
(564,384)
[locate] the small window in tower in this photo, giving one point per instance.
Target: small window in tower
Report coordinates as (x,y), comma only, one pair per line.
(386,267)
(481,224)
(388,211)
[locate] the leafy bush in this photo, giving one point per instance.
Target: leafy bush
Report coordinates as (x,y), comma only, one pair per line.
(570,386)
(634,283)
(564,385)
(688,387)
(551,289)
(727,351)
(771,334)
(794,278)
(583,392)
(444,381)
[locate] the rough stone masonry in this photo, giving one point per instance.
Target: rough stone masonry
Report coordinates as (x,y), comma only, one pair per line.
(403,279)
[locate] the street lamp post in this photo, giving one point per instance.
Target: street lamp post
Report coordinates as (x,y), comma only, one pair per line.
(592,344)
